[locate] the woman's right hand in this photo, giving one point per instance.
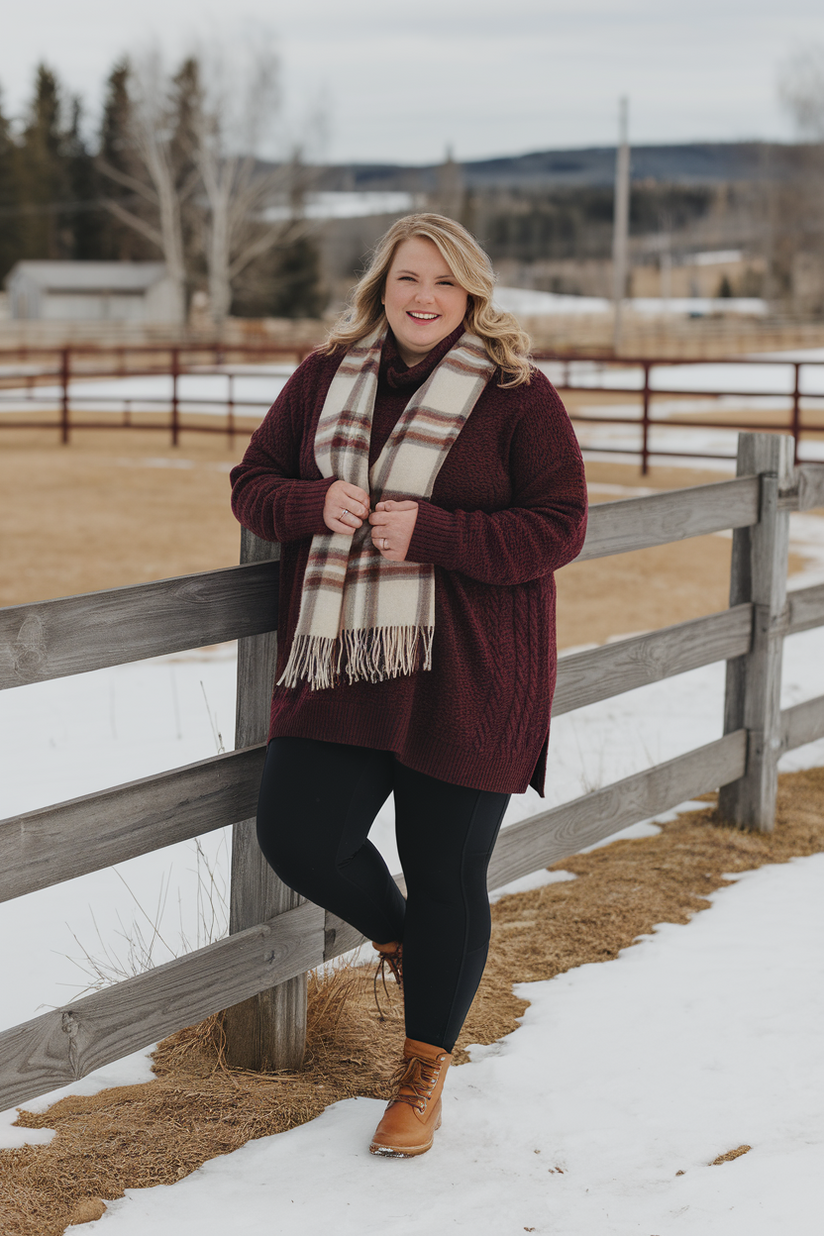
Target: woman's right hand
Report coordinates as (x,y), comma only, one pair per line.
(345,508)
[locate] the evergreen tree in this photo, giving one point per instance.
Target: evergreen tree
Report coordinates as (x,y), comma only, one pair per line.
(282,283)
(45,230)
(9,200)
(118,241)
(84,221)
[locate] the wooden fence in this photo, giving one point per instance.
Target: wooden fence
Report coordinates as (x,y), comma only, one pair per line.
(258,972)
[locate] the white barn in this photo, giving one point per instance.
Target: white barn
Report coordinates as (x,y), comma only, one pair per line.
(93,292)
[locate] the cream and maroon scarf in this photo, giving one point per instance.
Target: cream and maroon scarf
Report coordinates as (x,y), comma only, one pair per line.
(360,613)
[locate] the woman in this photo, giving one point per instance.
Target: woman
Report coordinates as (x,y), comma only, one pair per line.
(424,482)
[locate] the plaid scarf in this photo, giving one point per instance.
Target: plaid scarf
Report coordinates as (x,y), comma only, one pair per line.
(359,612)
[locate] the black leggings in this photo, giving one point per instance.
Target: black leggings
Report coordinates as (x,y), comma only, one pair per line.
(317,803)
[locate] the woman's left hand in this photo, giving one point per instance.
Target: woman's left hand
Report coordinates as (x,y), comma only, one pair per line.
(392,526)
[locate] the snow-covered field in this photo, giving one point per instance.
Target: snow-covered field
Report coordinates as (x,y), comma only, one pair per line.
(528,302)
(252,387)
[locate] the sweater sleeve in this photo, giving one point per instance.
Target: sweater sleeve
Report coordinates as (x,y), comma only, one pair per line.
(545,524)
(269,495)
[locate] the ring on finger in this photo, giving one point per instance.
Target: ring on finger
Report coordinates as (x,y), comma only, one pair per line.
(345,512)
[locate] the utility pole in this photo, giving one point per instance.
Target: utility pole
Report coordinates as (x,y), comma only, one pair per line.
(620,234)
(450,192)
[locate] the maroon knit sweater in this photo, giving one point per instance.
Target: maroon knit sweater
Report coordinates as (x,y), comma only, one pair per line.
(507,509)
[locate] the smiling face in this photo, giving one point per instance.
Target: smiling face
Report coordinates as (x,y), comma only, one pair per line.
(423,301)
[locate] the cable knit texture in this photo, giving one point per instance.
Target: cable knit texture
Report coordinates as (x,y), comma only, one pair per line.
(508,509)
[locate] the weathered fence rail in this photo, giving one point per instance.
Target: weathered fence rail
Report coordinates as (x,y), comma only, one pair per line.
(257,974)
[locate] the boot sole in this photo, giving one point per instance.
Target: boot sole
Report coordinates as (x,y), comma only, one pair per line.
(406,1152)
(393,1152)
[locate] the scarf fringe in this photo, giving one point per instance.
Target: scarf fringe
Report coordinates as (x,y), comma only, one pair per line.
(364,655)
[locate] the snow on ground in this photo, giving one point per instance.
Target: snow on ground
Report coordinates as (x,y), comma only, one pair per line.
(601,1114)
(252,387)
(528,301)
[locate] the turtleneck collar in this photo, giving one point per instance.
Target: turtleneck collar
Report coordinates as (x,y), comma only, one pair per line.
(396,371)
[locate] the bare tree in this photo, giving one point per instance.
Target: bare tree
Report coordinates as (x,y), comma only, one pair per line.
(252,204)
(799,240)
(162,118)
(196,171)
(801,89)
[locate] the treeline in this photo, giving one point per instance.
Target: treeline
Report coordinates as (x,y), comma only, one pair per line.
(49,196)
(577,223)
(148,187)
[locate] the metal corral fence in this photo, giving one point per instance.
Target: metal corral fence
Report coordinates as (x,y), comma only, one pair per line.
(40,380)
(576,374)
(258,973)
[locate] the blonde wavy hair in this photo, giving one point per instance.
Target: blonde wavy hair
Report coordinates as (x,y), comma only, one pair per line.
(506,344)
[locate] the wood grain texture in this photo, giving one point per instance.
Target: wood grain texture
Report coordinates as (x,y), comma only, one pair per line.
(341,936)
(52,639)
(806,609)
(600,673)
(810,481)
(268,1030)
(638,523)
(553,835)
(60,1046)
(58,843)
(802,723)
(760,559)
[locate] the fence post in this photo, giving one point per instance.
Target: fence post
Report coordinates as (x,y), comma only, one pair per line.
(797,409)
(645,423)
(268,1031)
(759,574)
(65,367)
(175,409)
(230,410)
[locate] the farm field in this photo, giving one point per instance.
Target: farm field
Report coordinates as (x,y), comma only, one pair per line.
(122,507)
(650,1091)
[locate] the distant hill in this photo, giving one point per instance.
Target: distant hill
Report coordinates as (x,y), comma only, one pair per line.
(694,163)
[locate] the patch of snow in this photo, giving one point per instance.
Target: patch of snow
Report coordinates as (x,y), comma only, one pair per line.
(536,879)
(601,1114)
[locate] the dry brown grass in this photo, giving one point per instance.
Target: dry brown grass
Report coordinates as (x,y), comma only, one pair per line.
(121,507)
(142,1135)
(730,1155)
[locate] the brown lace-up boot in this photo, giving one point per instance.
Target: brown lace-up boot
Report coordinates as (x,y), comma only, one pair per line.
(409,1122)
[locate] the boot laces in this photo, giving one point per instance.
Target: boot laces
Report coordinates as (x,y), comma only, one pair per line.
(392,961)
(416,1079)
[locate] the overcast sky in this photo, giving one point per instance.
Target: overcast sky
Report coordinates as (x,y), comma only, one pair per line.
(401,81)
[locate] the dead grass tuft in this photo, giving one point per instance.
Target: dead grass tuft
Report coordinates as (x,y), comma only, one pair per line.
(87,1210)
(197,1108)
(157,1133)
(730,1155)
